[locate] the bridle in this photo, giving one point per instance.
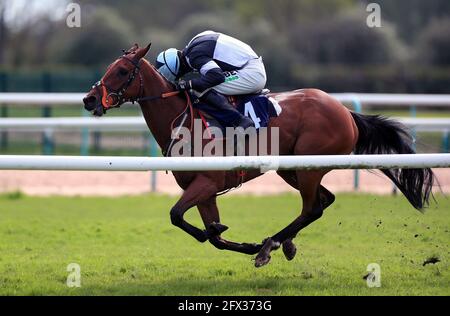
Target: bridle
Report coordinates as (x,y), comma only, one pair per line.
(115,98)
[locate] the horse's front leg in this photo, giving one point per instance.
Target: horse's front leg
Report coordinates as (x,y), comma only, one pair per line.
(199,190)
(210,216)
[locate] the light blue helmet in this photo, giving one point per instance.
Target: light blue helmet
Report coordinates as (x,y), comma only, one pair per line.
(168,64)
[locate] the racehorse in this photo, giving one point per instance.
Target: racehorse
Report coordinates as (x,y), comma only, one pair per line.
(311,123)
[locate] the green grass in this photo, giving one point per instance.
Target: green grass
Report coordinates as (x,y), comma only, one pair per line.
(65,110)
(127,246)
(32,148)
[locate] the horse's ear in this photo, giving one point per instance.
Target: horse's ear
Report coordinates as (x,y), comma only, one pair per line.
(141,52)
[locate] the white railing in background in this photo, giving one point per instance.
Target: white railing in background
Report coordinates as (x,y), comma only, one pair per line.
(265,163)
(385,99)
(355,100)
(42,98)
(137,123)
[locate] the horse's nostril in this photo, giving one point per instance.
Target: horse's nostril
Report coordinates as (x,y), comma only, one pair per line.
(90,102)
(90,99)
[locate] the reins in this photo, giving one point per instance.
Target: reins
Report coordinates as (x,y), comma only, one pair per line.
(156,97)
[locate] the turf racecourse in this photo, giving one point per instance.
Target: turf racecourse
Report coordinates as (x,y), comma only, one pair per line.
(127,246)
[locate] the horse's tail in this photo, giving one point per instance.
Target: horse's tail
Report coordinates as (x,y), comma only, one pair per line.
(379,135)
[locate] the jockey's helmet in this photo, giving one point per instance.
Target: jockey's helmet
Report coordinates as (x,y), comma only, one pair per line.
(168,64)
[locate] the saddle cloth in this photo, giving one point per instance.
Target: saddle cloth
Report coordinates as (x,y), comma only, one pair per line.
(258,107)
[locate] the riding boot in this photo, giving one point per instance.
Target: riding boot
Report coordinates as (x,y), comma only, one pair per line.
(218,106)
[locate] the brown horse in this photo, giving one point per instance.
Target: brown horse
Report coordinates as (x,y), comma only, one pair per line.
(311,123)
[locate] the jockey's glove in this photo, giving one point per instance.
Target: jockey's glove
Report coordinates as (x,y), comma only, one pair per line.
(182,85)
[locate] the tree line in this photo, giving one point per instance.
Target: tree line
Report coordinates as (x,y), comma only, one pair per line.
(325,44)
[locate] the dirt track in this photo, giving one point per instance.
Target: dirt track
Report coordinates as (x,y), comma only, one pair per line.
(130,183)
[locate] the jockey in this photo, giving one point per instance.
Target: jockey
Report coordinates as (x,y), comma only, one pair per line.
(227,67)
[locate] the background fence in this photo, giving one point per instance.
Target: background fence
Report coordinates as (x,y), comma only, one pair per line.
(65,128)
(69,105)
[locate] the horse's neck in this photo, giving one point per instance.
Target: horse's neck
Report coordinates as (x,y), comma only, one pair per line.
(159,113)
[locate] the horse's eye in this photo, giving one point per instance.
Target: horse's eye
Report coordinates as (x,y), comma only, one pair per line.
(123,72)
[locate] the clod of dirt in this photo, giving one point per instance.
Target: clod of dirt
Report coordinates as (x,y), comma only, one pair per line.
(431,260)
(416,235)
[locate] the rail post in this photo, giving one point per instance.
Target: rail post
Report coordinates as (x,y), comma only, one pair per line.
(153,153)
(4,111)
(413,114)
(357,107)
(84,146)
(445,141)
(47,136)
(97,135)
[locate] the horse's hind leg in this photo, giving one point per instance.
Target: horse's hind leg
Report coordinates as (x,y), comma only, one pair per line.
(326,197)
(210,216)
(310,190)
(289,248)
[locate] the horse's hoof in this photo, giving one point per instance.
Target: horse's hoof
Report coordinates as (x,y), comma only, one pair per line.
(263,256)
(289,250)
(261,261)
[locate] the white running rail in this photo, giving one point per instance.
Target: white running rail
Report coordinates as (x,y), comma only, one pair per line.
(374,99)
(137,123)
(265,163)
